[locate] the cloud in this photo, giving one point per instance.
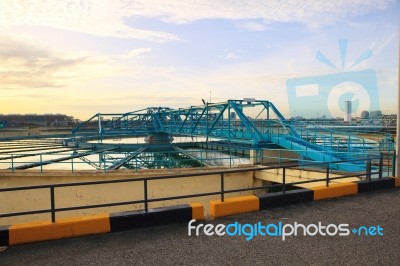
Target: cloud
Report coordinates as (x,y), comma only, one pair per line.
(252,26)
(231,55)
(302,11)
(100,18)
(26,65)
(380,44)
(138,53)
(164,98)
(109,18)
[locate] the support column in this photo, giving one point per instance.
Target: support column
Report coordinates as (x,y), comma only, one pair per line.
(398,114)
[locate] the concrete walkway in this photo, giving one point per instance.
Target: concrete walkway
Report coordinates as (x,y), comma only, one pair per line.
(170,245)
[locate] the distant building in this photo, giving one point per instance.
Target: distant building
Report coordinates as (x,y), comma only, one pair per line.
(16,120)
(375,114)
(347,115)
(364,115)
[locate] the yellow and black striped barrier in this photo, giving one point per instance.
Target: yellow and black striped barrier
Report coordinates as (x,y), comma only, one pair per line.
(104,223)
(245,204)
(97,224)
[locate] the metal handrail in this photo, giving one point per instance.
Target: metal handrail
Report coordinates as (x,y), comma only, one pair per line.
(53,210)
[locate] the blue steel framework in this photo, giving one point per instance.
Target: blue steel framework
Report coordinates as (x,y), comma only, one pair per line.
(255,122)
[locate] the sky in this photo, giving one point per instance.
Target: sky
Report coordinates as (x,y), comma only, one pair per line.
(85,57)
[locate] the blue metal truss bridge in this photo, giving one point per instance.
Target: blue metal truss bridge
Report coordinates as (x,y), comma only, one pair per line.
(257,124)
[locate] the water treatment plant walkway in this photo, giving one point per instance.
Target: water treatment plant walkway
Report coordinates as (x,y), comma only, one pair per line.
(253,122)
(170,245)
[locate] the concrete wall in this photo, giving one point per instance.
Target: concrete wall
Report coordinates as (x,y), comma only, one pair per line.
(292,175)
(19,201)
(19,132)
(5,132)
(298,175)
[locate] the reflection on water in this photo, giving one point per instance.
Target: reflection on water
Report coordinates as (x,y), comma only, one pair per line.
(140,140)
(193,157)
(217,158)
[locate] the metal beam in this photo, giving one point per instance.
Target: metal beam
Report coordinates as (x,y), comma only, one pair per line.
(36,164)
(36,154)
(35,149)
(123,161)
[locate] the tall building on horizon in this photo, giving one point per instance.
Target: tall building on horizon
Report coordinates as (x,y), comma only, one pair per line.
(347,115)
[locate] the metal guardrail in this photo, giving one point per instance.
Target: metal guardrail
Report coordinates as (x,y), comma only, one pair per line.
(53,209)
(197,157)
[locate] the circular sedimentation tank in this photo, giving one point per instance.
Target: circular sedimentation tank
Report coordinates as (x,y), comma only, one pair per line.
(159,138)
(152,151)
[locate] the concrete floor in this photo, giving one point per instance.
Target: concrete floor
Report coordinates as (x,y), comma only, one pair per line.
(170,245)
